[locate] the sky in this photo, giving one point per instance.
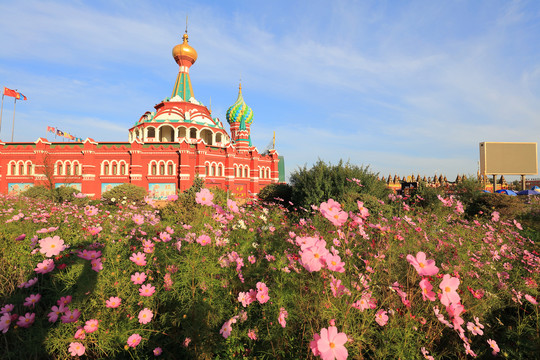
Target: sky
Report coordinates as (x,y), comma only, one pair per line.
(403,87)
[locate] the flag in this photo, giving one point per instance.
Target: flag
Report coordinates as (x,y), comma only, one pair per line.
(13,93)
(59,133)
(51,129)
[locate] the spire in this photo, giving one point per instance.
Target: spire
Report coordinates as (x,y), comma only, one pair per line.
(185,56)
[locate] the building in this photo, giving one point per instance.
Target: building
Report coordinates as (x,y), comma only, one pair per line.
(166,149)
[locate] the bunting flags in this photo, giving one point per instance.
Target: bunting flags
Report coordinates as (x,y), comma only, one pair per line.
(13,93)
(66,135)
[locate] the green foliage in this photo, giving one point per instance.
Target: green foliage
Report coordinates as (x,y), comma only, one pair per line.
(428,196)
(276,193)
(59,194)
(127,193)
(324,181)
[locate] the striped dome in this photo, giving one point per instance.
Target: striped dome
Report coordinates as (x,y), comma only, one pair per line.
(240,111)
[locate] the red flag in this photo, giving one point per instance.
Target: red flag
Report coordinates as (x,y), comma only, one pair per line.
(13,93)
(51,129)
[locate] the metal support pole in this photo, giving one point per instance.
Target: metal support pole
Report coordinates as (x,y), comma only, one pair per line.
(494,183)
(13,126)
(522,182)
(1,110)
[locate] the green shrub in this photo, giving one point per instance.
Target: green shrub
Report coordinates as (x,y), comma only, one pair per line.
(324,181)
(38,192)
(126,192)
(276,193)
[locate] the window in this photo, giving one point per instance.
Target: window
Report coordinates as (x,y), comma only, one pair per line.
(154,169)
(68,169)
(170,169)
(76,169)
(151,132)
(123,169)
(106,169)
(193,133)
(29,169)
(213,170)
(13,169)
(245,172)
(220,173)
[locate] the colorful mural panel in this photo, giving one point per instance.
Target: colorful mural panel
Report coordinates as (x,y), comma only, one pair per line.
(76,186)
(16,188)
(109,186)
(160,191)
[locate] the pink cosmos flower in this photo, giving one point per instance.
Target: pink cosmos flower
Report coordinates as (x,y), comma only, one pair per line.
(64,300)
(312,258)
(494,346)
(32,300)
(252,334)
(334,263)
(449,286)
(495,216)
(80,334)
(475,329)
(147,290)
(97,265)
(138,219)
(244,298)
(331,344)
(7,308)
(138,258)
(94,230)
(204,240)
(113,302)
(313,344)
(365,302)
(381,318)
(172,197)
(531,299)
(134,340)
(204,197)
(51,246)
(89,254)
(91,325)
(426,287)
(423,267)
(26,320)
(145,316)
(364,213)
(283,315)
(76,349)
(70,316)
(231,205)
(227,328)
(5,322)
(158,351)
(45,266)
(90,210)
(138,278)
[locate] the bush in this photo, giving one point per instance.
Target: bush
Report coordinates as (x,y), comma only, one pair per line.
(58,195)
(126,192)
(323,181)
(276,193)
(38,192)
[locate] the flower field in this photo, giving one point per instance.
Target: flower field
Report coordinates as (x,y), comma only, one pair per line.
(124,281)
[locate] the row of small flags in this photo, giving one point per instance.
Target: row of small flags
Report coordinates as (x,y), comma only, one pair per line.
(58,132)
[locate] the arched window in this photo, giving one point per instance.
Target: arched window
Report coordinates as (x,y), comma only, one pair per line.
(154,169)
(182,132)
(123,169)
(246,172)
(193,133)
(218,137)
(29,169)
(170,169)
(13,169)
(151,132)
(68,168)
(213,170)
(106,169)
(162,169)
(21,169)
(220,170)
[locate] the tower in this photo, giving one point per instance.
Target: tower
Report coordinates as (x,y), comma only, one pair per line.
(240,118)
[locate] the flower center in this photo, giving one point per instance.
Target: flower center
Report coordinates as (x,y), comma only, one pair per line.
(422,265)
(332,345)
(447,289)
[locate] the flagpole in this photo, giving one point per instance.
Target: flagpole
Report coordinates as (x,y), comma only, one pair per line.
(13,126)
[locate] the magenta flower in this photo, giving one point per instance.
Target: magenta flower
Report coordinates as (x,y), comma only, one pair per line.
(138,258)
(91,325)
(138,278)
(365,302)
(134,340)
(364,213)
(331,344)
(494,346)
(51,246)
(113,302)
(449,286)
(475,329)
(145,316)
(158,351)
(312,258)
(5,322)
(147,290)
(94,230)
(80,334)
(313,344)
(64,300)
(76,349)
(381,318)
(204,197)
(26,320)
(231,205)
(90,210)
(7,308)
(70,316)
(97,265)
(252,334)
(204,240)
(32,300)
(423,267)
(283,315)
(45,266)
(426,287)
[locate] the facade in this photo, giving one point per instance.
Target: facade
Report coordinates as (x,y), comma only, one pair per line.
(166,150)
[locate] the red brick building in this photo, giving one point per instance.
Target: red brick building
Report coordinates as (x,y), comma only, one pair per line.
(167,149)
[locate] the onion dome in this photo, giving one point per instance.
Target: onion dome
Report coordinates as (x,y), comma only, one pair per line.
(183,54)
(240,111)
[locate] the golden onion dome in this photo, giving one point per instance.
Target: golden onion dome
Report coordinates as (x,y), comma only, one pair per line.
(184,52)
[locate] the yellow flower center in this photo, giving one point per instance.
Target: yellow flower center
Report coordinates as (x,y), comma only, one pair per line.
(447,289)
(422,265)
(332,345)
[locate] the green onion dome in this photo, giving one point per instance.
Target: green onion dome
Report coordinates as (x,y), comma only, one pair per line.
(240,111)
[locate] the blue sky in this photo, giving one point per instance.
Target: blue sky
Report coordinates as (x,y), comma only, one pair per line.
(402,86)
